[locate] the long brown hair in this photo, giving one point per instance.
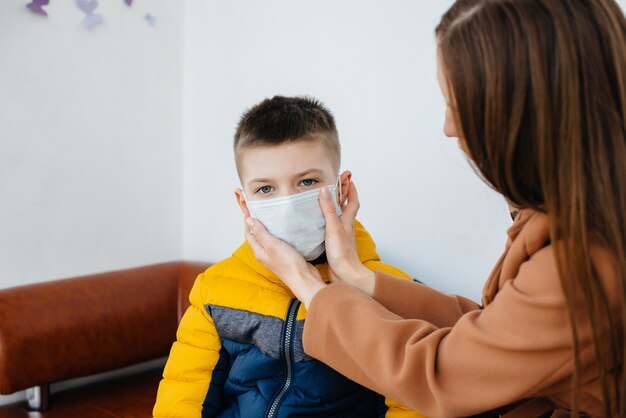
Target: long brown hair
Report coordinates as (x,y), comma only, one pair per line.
(539,93)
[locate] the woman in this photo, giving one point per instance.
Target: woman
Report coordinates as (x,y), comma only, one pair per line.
(536,93)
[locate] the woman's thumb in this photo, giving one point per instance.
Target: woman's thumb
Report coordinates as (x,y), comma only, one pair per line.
(329,209)
(258,231)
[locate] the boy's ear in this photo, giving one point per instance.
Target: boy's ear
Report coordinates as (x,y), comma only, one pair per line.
(345,178)
(241,201)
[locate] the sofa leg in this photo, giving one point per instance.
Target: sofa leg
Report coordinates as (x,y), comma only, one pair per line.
(38,397)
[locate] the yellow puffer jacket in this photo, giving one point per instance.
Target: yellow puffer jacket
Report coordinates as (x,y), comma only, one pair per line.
(239,350)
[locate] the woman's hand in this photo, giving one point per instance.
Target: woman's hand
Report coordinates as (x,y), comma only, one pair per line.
(302,278)
(343,258)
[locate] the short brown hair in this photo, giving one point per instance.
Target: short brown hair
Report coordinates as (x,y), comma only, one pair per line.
(286,119)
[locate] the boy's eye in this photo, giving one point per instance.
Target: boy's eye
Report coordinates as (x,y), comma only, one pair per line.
(308,182)
(265,190)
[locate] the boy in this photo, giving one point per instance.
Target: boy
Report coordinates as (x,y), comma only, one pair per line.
(239,345)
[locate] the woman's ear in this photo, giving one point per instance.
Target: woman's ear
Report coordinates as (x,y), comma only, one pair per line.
(241,201)
(344,184)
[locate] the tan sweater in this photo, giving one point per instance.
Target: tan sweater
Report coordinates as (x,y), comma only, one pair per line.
(446,356)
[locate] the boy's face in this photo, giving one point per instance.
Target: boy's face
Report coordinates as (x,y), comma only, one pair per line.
(286,169)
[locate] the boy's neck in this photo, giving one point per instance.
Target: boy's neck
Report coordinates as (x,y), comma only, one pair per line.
(319,260)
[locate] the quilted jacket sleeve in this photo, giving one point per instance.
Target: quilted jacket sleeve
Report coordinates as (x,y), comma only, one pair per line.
(196,368)
(395,409)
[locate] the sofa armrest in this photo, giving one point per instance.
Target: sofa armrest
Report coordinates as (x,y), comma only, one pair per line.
(68,328)
(187,277)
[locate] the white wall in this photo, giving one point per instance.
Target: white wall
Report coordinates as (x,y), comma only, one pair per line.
(373,63)
(90,139)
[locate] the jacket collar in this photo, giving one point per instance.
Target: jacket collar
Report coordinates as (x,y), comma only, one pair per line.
(364,243)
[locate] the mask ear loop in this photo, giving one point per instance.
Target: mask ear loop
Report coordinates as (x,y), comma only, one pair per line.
(244,196)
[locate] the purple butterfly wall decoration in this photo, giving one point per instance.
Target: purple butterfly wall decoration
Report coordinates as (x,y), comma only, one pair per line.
(37,6)
(128,2)
(150,19)
(88,7)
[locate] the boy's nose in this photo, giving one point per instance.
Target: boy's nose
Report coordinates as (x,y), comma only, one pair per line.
(288,191)
(291,190)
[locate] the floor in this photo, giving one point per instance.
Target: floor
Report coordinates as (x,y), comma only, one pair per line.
(130,397)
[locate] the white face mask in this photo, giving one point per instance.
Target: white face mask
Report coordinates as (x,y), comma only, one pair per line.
(296,219)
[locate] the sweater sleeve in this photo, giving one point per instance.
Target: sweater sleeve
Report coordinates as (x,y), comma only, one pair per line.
(411,300)
(394,409)
(196,367)
(514,348)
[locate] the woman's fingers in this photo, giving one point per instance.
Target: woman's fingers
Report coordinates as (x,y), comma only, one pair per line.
(329,210)
(257,246)
(262,242)
(352,207)
(277,255)
(349,210)
(282,259)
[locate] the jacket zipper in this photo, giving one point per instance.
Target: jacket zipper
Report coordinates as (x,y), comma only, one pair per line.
(286,352)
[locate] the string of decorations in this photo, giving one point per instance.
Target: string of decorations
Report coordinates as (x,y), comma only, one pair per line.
(88,7)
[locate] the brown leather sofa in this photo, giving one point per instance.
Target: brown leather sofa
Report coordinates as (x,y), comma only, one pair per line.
(54,331)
